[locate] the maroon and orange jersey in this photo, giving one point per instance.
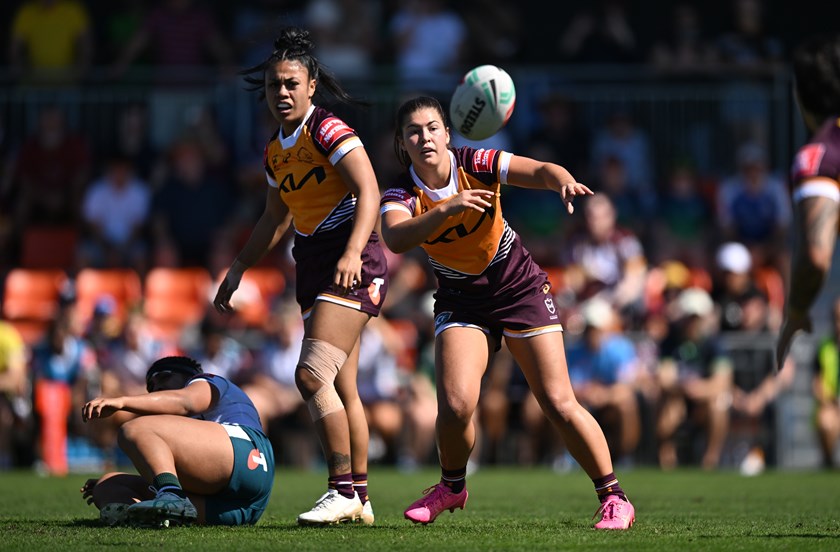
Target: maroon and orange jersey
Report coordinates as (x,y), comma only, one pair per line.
(466,244)
(302,168)
(816,167)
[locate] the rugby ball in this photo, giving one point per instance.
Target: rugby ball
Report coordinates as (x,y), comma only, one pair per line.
(482,103)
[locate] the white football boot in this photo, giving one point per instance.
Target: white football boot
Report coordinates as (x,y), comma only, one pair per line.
(332,508)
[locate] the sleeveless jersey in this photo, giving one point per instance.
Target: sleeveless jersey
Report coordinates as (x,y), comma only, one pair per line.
(816,167)
(234,406)
(302,169)
(470,242)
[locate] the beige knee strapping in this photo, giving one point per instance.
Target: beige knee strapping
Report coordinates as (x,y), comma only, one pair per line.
(323,361)
(324,402)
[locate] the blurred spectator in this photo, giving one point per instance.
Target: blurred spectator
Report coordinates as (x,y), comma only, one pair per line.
(219,353)
(62,365)
(115,211)
(133,142)
(190,212)
(51,170)
(633,209)
(202,129)
(180,35)
(695,378)
(620,137)
(753,207)
(558,126)
(118,22)
(682,218)
(15,406)
(826,389)
(749,52)
(51,41)
(379,381)
(605,260)
(348,51)
(428,43)
(685,48)
(604,368)
(496,30)
(734,286)
(602,33)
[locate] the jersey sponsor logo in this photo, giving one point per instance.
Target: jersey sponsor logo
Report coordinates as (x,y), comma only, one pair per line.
(288,183)
(373,290)
(257,459)
(330,131)
(483,160)
(808,159)
(460,230)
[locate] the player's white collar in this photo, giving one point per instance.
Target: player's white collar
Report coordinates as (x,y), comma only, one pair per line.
(450,190)
(289,141)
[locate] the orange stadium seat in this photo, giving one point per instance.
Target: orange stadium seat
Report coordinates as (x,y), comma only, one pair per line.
(30,300)
(48,247)
(175,298)
(121,285)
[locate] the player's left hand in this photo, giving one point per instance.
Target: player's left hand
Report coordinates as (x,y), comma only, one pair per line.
(792,324)
(348,273)
(99,408)
(569,191)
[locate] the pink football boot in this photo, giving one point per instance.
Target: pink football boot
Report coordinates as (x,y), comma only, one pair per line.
(616,514)
(435,500)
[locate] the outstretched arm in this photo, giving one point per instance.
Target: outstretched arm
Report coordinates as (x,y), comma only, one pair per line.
(193,399)
(525,172)
(816,234)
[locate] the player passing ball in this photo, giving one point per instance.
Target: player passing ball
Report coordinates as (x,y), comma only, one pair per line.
(489,289)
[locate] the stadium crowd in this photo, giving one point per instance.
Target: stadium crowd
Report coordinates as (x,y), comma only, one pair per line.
(669,280)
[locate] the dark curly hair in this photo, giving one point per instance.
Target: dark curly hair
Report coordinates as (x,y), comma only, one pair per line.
(816,68)
(294,44)
(180,364)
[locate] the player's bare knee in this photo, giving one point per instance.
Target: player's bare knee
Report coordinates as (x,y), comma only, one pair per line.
(318,366)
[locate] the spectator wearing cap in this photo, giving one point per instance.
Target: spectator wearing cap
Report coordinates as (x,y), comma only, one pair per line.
(695,380)
(734,290)
(603,367)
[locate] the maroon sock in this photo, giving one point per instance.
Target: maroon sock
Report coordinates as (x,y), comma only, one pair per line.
(608,485)
(342,483)
(360,485)
(456,480)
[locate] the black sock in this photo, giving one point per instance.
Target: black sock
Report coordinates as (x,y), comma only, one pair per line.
(168,483)
(360,486)
(456,480)
(342,483)
(608,485)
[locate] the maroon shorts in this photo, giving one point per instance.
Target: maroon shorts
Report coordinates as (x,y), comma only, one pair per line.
(315,259)
(525,312)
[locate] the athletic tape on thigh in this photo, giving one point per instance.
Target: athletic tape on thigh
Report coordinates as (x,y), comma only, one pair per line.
(324,402)
(322,360)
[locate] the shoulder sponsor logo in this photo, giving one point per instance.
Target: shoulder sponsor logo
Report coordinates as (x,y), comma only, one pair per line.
(257,459)
(483,160)
(395,194)
(331,130)
(808,159)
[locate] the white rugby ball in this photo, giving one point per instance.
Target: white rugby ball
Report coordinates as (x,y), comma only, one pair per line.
(482,103)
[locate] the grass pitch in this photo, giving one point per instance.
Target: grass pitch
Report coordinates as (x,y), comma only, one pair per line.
(508,509)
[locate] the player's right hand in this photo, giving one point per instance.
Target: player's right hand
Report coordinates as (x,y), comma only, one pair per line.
(478,200)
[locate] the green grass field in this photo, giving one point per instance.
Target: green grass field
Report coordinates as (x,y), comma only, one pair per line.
(509,509)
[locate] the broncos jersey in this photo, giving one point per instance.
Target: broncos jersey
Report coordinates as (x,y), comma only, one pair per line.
(816,167)
(470,242)
(302,169)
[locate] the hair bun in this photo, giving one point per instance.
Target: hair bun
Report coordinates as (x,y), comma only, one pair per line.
(293,39)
